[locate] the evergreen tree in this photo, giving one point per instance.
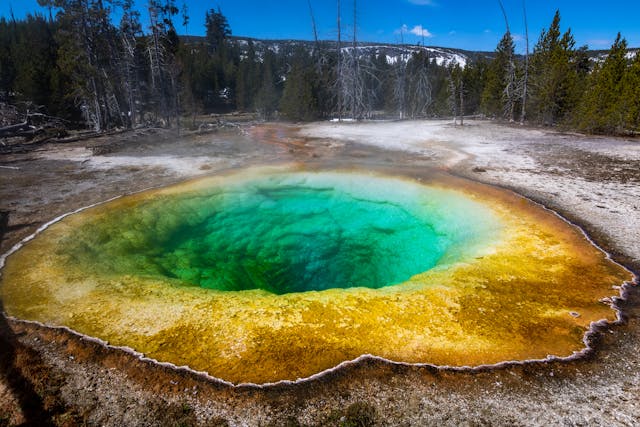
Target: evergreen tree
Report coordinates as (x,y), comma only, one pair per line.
(223,63)
(7,61)
(630,96)
(218,29)
(500,94)
(267,98)
(85,55)
(603,107)
(554,76)
(247,83)
(441,89)
(33,57)
(299,100)
(473,78)
(193,62)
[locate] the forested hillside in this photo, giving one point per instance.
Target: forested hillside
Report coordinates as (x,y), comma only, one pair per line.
(80,66)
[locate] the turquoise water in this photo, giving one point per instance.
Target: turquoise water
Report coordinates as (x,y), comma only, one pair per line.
(291,232)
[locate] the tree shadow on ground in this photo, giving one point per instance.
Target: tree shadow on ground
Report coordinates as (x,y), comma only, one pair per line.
(5,228)
(30,401)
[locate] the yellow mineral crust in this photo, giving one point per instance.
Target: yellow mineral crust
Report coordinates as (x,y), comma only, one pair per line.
(532,294)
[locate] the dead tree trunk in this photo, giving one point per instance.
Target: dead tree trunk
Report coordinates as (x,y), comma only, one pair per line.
(97,117)
(339,73)
(417,85)
(400,89)
(130,77)
(525,81)
(510,76)
(355,72)
(12,130)
(453,104)
(156,63)
(313,25)
(461,101)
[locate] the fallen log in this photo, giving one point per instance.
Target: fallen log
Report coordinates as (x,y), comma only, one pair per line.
(15,130)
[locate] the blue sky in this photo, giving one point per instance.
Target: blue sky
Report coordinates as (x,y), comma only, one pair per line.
(466,24)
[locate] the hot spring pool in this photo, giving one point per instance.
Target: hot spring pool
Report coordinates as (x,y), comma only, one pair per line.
(285,233)
(279,273)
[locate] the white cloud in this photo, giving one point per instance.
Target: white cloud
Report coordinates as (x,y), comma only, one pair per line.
(420,31)
(417,30)
(423,2)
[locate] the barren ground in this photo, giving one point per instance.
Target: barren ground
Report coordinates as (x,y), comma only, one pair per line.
(51,376)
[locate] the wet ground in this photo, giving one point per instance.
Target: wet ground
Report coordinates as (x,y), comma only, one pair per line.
(52,376)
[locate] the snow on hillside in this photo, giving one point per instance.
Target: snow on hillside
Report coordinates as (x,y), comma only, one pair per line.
(393,53)
(601,56)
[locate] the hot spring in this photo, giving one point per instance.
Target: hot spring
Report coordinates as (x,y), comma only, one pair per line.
(279,273)
(287,233)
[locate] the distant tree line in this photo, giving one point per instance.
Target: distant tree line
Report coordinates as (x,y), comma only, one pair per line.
(81,66)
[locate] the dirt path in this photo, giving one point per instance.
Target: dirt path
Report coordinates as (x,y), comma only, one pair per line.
(51,375)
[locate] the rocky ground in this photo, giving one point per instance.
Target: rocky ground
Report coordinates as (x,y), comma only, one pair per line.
(51,376)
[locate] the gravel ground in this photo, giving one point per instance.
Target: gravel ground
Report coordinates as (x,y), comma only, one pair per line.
(51,376)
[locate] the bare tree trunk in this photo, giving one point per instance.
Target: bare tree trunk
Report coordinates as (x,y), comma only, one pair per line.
(461,101)
(355,70)
(185,17)
(11,130)
(453,104)
(525,83)
(417,85)
(110,70)
(339,81)
(509,90)
(400,91)
(130,80)
(156,64)
(420,91)
(313,25)
(95,93)
(504,13)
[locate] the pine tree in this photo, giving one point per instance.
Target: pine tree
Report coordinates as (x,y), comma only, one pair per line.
(223,63)
(299,101)
(473,78)
(247,79)
(630,96)
(603,106)
(217,29)
(554,76)
(7,61)
(86,52)
(267,98)
(33,60)
(500,93)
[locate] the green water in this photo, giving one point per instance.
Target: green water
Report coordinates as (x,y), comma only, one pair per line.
(283,233)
